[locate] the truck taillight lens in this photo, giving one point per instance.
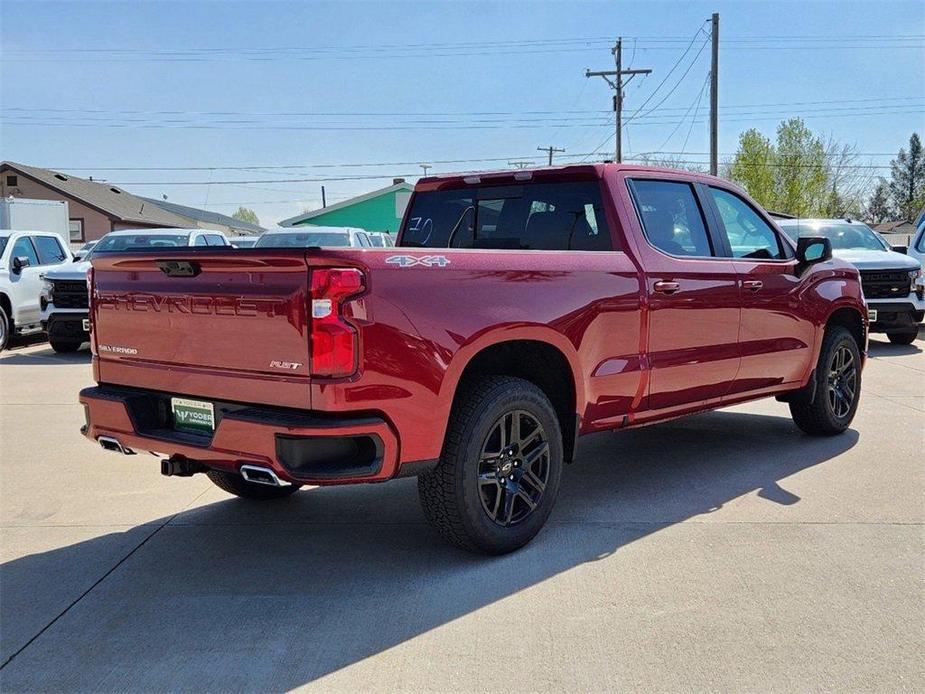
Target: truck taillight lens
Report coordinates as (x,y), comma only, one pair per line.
(334,341)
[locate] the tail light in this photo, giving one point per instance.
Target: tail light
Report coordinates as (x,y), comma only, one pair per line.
(334,341)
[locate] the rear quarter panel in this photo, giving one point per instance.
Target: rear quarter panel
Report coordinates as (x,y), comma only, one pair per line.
(420,327)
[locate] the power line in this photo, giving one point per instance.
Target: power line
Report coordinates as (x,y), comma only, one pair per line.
(639,114)
(905,98)
(686,113)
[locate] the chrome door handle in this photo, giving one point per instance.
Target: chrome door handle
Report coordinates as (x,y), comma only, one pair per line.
(753,285)
(664,287)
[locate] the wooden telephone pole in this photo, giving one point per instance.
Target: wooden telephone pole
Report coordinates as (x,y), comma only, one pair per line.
(714,96)
(615,79)
(550,151)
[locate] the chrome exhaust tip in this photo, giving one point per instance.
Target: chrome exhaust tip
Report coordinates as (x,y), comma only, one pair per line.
(260,475)
(109,443)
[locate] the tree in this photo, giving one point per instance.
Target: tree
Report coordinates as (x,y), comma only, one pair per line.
(753,167)
(848,181)
(907,179)
(246,215)
(670,161)
(800,175)
(878,207)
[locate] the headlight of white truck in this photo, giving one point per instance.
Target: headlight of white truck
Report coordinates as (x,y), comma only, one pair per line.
(47,287)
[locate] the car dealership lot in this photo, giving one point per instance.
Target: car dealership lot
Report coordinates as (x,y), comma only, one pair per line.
(724,551)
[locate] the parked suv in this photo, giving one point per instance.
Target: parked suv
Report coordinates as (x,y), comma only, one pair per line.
(518,311)
(24,256)
(891,281)
(63,300)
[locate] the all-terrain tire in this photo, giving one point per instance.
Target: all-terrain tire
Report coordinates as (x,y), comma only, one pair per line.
(233,483)
(64,346)
(903,338)
(811,407)
(451,493)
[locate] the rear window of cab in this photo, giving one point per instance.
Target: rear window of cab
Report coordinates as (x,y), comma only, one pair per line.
(534,216)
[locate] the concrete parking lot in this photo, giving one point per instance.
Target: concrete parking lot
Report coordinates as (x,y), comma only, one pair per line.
(721,552)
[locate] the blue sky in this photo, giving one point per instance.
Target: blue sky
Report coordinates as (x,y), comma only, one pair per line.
(89,87)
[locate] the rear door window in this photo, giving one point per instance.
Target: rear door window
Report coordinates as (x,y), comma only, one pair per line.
(49,250)
(215,240)
(537,216)
(671,217)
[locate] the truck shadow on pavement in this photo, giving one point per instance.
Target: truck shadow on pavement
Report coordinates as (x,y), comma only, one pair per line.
(241,596)
(44,356)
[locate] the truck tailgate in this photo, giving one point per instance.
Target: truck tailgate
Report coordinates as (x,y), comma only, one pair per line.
(224,325)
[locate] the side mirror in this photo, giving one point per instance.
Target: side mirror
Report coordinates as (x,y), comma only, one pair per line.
(813,249)
(19,263)
(901,249)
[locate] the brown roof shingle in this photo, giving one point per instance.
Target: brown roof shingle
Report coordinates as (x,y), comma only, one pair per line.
(104,196)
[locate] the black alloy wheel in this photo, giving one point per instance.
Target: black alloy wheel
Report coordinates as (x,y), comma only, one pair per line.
(842,381)
(513,468)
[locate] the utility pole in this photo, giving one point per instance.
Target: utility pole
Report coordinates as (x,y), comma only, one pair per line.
(714,96)
(519,164)
(617,84)
(425,167)
(323,201)
(550,150)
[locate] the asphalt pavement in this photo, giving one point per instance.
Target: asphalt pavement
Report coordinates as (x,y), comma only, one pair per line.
(725,551)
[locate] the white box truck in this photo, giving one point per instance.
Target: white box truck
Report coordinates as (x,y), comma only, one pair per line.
(26,214)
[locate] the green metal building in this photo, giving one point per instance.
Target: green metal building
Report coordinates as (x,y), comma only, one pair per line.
(380,210)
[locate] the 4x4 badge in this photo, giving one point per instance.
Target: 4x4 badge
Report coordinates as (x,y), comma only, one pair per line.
(412,260)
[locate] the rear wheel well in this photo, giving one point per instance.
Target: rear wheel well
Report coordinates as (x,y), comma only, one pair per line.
(541,364)
(851,320)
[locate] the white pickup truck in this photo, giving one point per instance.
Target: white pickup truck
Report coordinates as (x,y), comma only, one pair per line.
(64,297)
(891,281)
(24,257)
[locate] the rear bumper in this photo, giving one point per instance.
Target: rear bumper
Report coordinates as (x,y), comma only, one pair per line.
(302,447)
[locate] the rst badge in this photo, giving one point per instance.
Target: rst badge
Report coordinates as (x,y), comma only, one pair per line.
(412,260)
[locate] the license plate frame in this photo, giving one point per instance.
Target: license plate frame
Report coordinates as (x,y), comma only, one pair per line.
(193,416)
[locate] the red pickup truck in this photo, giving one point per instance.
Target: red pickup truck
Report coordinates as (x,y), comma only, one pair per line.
(519,311)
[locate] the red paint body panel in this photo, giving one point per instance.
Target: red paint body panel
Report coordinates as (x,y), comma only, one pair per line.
(635,356)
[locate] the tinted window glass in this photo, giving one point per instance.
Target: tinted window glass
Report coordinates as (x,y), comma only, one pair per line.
(201,241)
(844,237)
(215,240)
(539,216)
(50,251)
(3,241)
(749,235)
(23,249)
(132,242)
(671,217)
(308,239)
(919,246)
